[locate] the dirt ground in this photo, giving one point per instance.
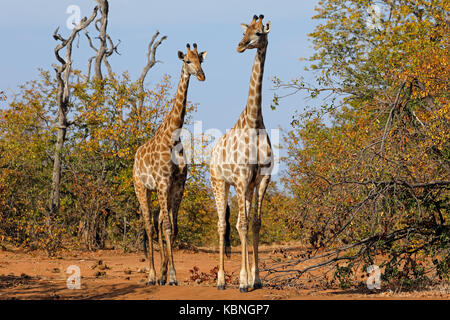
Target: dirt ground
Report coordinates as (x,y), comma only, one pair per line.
(112,274)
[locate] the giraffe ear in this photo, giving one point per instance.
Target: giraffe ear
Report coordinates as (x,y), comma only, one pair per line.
(267,27)
(244,26)
(203,55)
(180,55)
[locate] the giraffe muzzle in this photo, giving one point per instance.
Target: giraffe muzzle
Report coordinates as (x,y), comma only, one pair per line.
(200,76)
(242,46)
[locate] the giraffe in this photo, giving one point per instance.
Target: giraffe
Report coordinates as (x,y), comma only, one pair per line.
(243,158)
(160,166)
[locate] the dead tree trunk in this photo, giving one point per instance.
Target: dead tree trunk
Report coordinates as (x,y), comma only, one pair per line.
(101,52)
(63,72)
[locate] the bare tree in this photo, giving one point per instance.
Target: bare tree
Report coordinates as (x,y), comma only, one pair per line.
(63,72)
(104,49)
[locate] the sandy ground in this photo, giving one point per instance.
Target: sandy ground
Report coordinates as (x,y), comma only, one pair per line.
(112,274)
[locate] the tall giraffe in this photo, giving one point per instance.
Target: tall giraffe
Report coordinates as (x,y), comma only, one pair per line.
(243,158)
(160,166)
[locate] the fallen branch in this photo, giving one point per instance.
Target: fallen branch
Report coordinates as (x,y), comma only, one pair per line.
(284,273)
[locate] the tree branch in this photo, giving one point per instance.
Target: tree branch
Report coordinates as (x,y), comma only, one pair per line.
(151,58)
(279,270)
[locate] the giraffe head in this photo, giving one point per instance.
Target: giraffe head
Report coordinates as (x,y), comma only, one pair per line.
(193,61)
(255,34)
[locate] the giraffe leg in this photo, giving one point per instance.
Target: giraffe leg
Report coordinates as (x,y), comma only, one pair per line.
(143,195)
(162,250)
(242,227)
(163,254)
(248,208)
(256,226)
(220,189)
(166,225)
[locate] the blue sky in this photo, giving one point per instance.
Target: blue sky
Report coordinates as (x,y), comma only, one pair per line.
(27,44)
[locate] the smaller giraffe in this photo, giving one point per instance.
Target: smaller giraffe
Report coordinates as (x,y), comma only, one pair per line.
(160,166)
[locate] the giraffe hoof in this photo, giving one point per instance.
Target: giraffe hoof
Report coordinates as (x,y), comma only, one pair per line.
(151,283)
(221,287)
(257,285)
(243,290)
(173,283)
(161,282)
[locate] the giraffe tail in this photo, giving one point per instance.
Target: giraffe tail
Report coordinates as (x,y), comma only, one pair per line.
(227,233)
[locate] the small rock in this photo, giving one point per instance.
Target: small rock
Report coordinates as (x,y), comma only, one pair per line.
(103,267)
(100,274)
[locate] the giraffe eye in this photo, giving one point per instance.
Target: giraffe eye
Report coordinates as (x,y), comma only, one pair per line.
(259,34)
(188,62)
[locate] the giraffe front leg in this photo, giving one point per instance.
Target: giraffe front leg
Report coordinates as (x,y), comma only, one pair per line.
(242,227)
(220,189)
(248,207)
(172,273)
(143,195)
(151,273)
(256,226)
(162,251)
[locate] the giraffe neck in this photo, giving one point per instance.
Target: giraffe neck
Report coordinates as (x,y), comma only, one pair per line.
(176,115)
(252,112)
